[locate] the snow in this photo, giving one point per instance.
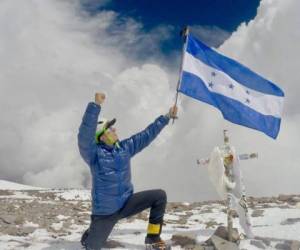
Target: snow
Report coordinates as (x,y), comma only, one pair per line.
(171,217)
(279,221)
(30,224)
(57,226)
(62,217)
(75,194)
(17,195)
(270,224)
(8,185)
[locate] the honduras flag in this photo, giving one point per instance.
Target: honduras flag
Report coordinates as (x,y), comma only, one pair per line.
(241,95)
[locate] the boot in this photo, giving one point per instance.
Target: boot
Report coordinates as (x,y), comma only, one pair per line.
(83,237)
(153,240)
(157,244)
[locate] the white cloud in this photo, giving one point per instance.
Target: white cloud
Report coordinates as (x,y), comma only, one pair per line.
(212,36)
(269,45)
(53,57)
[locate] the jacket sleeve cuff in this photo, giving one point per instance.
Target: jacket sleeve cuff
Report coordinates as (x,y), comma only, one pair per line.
(166,118)
(93,108)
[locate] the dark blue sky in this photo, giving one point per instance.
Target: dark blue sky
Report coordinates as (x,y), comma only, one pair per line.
(219,17)
(226,14)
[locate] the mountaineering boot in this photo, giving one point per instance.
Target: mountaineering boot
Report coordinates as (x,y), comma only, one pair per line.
(158,244)
(83,238)
(153,240)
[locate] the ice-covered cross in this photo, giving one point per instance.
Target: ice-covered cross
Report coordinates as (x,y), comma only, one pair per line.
(225,174)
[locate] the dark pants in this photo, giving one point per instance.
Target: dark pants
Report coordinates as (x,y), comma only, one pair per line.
(102,225)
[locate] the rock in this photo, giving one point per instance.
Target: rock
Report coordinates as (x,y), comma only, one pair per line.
(266,205)
(193,247)
(221,244)
(142,216)
(183,240)
(211,224)
(266,200)
(10,230)
(26,230)
(181,221)
(66,224)
(296,198)
(284,206)
(191,235)
(295,245)
(177,207)
(198,247)
(25,245)
(283,246)
(258,213)
(267,242)
(222,232)
(285,198)
(8,219)
(209,248)
(258,244)
(19,220)
(206,211)
(182,226)
(113,244)
(6,192)
(290,221)
(234,214)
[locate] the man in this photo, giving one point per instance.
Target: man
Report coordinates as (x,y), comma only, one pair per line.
(112,190)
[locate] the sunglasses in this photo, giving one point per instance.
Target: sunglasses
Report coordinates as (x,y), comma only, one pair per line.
(108,126)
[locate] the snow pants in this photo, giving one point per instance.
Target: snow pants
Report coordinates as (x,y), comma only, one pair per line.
(101,225)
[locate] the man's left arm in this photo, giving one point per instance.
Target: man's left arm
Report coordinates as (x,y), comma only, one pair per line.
(139,141)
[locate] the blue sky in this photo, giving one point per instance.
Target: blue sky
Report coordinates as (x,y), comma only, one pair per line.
(212,20)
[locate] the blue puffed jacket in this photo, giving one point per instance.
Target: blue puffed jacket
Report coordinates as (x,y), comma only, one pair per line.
(110,165)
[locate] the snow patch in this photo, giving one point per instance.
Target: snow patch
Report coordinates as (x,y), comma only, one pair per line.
(171,217)
(57,226)
(8,185)
(75,194)
(62,217)
(30,224)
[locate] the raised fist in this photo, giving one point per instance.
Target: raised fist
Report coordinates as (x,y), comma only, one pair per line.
(173,112)
(99,98)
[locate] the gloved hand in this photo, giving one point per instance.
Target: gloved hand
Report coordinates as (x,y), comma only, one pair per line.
(99,98)
(173,112)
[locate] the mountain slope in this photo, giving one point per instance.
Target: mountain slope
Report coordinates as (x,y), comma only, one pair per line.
(55,219)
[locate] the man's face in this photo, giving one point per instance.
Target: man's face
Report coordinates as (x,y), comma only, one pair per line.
(110,136)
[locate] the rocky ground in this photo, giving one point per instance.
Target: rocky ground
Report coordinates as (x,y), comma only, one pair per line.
(55,219)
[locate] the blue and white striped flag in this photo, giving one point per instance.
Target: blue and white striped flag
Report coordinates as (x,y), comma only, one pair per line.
(241,95)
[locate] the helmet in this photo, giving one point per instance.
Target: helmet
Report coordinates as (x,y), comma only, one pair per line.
(102,126)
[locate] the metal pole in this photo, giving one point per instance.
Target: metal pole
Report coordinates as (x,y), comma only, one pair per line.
(228,203)
(229,219)
(184,33)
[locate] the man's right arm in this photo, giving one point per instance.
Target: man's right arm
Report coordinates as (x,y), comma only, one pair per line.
(87,129)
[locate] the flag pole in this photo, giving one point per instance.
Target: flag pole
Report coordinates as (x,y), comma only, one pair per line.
(183,33)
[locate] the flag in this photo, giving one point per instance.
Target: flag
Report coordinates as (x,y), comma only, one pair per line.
(243,97)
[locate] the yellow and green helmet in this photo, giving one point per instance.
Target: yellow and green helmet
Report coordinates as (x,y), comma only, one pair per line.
(103,125)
